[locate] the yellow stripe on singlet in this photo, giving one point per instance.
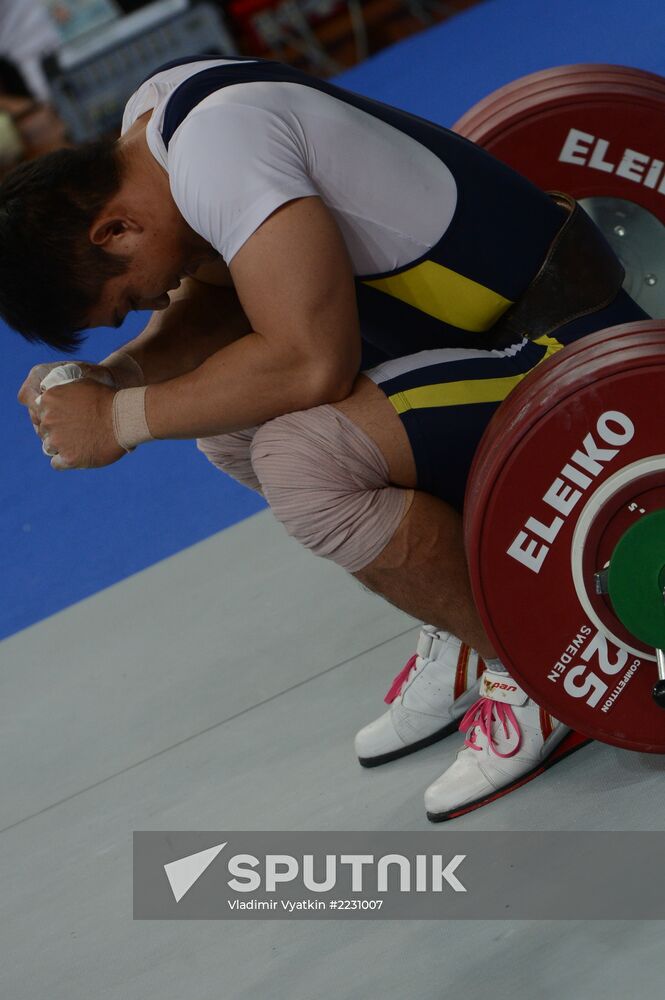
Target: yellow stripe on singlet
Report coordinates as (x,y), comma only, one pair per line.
(483,390)
(445,295)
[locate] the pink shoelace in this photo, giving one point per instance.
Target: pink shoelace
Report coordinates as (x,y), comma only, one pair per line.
(480,715)
(400,680)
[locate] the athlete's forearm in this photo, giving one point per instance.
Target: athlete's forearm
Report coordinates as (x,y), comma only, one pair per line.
(200,320)
(247,383)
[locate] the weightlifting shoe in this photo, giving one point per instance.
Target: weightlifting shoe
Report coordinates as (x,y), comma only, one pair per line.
(509,740)
(427,699)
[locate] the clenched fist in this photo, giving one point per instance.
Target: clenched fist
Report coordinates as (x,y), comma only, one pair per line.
(75,423)
(31,388)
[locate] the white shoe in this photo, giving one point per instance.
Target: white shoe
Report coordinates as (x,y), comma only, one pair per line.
(508,740)
(427,699)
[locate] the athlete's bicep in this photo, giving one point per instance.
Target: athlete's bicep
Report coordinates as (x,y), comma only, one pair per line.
(294,279)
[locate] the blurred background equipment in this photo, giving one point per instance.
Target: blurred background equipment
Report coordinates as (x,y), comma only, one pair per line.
(325,36)
(74,17)
(67,67)
(27,32)
(28,124)
(91,76)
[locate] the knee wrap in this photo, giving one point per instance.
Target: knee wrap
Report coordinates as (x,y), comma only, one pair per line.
(230,453)
(327,482)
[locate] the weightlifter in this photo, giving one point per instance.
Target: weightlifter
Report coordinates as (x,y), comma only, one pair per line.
(280,228)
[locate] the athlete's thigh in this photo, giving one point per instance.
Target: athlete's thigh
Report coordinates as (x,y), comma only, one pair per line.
(443,400)
(368,407)
(428,411)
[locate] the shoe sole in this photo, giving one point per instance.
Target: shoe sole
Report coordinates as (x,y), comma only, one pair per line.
(385,758)
(569,745)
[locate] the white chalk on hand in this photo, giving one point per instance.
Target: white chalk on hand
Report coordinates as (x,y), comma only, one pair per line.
(68,372)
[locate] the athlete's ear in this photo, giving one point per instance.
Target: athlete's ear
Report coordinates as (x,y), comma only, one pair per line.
(115,229)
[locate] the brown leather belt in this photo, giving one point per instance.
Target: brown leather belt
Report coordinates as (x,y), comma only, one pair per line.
(580,275)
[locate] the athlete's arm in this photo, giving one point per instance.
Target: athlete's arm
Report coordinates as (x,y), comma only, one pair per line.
(295,283)
(202,318)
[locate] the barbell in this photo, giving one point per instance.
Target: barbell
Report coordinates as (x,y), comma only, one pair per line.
(565,505)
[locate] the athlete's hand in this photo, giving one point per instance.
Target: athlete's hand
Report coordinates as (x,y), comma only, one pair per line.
(31,388)
(76,425)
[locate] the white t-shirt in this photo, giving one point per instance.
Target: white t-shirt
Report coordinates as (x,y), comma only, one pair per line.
(251,147)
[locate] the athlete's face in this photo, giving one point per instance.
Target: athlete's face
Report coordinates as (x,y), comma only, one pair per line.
(144,285)
(159,250)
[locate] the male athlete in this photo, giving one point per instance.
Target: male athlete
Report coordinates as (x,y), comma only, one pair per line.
(281,228)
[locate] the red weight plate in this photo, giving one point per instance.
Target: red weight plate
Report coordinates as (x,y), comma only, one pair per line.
(588,138)
(601,343)
(541,390)
(511,426)
(551,80)
(531,388)
(521,557)
(547,83)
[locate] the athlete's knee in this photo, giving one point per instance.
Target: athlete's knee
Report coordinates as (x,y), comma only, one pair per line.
(231,454)
(327,482)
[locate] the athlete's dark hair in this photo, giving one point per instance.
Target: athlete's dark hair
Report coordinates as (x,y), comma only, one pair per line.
(50,272)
